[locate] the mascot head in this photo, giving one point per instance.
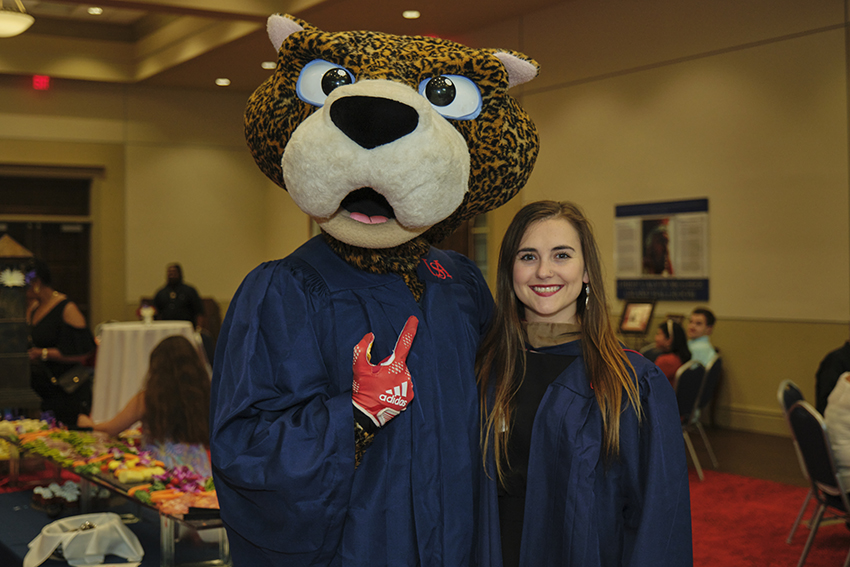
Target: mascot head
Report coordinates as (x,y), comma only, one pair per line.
(390,142)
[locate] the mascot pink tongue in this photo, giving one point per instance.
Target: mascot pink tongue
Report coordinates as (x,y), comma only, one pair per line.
(320,456)
(360,217)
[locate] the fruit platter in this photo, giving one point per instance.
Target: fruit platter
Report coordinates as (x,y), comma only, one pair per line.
(117,463)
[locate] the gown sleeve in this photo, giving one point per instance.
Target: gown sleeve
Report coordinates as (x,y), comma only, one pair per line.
(657,518)
(281,433)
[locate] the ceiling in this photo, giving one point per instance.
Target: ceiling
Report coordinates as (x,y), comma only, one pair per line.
(191,43)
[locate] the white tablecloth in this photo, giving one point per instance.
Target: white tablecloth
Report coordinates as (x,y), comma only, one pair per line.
(122,360)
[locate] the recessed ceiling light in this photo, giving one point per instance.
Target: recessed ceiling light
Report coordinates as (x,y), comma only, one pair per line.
(410,14)
(222,82)
(95,10)
(269,64)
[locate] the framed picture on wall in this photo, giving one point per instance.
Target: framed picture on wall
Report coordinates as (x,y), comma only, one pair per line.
(662,250)
(636,317)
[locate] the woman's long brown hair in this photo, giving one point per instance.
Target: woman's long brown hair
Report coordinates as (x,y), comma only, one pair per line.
(177,394)
(502,351)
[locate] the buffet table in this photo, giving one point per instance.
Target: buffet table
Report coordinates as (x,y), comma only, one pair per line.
(122,360)
(17,510)
(168,525)
(22,523)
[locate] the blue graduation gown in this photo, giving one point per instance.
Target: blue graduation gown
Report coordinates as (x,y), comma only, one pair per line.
(578,513)
(282,431)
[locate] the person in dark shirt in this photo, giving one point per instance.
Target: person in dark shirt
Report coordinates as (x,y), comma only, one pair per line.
(831,367)
(60,340)
(177,301)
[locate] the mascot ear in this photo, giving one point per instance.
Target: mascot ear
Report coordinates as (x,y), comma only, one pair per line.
(280,27)
(520,68)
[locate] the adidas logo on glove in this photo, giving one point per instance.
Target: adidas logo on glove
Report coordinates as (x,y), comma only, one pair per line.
(395,396)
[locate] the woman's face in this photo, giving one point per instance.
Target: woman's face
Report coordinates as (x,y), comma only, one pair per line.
(662,342)
(549,271)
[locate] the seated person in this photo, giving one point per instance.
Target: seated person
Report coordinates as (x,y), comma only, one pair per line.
(831,367)
(700,326)
(837,419)
(672,346)
(173,408)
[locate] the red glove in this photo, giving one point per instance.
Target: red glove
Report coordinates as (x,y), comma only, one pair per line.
(381,392)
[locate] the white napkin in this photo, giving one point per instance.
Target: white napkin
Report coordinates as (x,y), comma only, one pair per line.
(85,547)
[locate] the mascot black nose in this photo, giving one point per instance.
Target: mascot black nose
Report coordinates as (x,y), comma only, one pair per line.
(373,121)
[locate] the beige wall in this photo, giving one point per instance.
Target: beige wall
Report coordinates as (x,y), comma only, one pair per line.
(177,184)
(744,103)
(195,196)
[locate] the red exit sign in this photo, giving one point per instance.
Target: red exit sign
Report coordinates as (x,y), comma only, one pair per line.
(40,82)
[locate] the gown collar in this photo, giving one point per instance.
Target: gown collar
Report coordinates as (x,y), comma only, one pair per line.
(435,267)
(541,335)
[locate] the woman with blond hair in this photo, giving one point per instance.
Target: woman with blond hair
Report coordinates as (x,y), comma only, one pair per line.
(581,438)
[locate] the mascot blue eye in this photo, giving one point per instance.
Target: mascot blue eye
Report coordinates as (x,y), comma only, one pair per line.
(318,78)
(453,96)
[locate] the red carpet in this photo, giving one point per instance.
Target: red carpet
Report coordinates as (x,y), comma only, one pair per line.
(737,522)
(743,522)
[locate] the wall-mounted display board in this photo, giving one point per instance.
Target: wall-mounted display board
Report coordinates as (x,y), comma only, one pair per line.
(661,251)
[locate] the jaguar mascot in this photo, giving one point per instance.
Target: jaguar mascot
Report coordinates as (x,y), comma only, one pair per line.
(320,455)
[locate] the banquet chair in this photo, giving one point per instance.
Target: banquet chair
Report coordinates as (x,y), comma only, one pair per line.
(812,437)
(713,372)
(650,351)
(689,381)
(787,395)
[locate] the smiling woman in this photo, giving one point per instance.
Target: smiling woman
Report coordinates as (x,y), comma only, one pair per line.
(571,420)
(549,271)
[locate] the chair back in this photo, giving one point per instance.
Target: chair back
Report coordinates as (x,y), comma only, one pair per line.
(712,377)
(812,438)
(650,352)
(689,380)
(787,395)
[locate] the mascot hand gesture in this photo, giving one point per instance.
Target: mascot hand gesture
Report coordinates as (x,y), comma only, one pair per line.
(383,391)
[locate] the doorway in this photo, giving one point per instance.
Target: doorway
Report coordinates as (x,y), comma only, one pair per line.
(50,216)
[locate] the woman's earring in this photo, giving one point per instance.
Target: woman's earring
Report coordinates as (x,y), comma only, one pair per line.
(586,294)
(37,289)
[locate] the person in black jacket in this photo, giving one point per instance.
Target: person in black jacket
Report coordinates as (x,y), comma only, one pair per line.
(831,367)
(177,301)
